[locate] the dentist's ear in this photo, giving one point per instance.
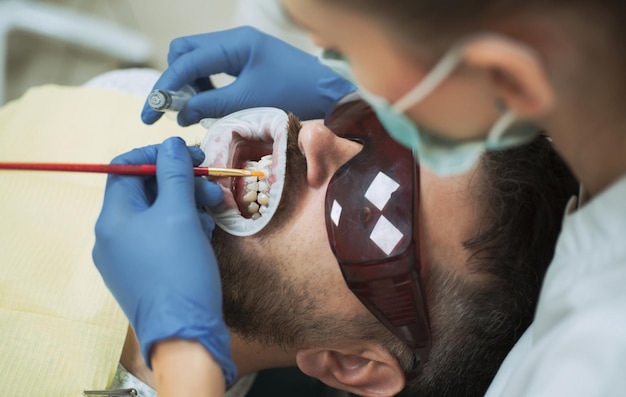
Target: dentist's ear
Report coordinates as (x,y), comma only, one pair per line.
(518,74)
(362,368)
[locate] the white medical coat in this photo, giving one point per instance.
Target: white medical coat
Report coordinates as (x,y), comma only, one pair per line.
(576,345)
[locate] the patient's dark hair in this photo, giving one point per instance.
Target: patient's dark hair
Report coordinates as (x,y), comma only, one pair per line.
(476,320)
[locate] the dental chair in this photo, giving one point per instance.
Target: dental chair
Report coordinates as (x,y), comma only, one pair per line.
(70,26)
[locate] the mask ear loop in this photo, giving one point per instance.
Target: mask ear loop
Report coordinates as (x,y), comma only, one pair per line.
(500,127)
(437,75)
(440,72)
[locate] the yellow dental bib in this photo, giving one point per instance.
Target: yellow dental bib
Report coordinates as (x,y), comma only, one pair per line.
(61,331)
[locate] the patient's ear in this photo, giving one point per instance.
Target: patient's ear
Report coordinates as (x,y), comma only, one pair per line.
(362,368)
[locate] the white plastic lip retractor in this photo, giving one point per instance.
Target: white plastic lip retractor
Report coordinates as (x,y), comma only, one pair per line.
(264,125)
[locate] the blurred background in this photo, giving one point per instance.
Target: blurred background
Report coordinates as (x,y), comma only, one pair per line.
(68,42)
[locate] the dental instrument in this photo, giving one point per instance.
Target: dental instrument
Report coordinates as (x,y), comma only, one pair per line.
(111,393)
(126,169)
(164,100)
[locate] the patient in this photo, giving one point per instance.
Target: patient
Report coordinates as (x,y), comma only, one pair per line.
(484,241)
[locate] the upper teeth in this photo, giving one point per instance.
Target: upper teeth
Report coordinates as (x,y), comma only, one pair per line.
(257,192)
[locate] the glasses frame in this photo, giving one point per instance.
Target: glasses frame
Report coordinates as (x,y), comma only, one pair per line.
(390,286)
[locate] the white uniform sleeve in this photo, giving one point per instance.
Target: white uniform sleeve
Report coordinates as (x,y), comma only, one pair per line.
(578,343)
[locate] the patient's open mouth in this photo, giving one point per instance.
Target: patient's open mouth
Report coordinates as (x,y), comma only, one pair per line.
(254,139)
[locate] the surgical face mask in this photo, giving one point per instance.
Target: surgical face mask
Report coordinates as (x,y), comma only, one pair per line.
(440,155)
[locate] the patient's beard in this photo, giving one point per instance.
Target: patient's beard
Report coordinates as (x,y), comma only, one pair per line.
(260,303)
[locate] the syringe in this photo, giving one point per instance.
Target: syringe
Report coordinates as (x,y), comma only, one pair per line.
(165,100)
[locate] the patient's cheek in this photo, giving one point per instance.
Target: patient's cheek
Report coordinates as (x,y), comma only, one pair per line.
(448,214)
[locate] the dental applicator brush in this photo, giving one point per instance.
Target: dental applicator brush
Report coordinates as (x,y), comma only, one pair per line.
(125,169)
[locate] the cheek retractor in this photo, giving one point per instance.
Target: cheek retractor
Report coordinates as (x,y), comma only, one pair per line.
(264,127)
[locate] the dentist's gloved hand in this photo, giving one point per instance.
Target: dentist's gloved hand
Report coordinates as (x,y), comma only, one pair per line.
(153,251)
(269,72)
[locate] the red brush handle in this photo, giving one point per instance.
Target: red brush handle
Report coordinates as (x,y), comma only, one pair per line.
(119,169)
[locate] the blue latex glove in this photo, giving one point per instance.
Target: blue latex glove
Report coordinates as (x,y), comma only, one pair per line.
(269,72)
(153,251)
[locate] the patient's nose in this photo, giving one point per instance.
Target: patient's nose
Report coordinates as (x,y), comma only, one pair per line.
(325,152)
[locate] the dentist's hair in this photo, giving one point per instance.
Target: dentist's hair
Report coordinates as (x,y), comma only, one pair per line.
(435,21)
(593,32)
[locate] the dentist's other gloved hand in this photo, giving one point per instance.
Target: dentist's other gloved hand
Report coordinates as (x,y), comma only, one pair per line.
(269,72)
(153,251)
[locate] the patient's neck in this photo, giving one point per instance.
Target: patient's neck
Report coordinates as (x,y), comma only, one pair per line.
(252,356)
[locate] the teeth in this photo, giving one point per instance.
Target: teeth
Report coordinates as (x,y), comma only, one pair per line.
(265,162)
(253,207)
(263,186)
(257,192)
(263,198)
(250,196)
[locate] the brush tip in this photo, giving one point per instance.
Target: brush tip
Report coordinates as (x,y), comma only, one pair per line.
(260,174)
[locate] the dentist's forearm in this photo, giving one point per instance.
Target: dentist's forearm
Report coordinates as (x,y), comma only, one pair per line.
(184,368)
